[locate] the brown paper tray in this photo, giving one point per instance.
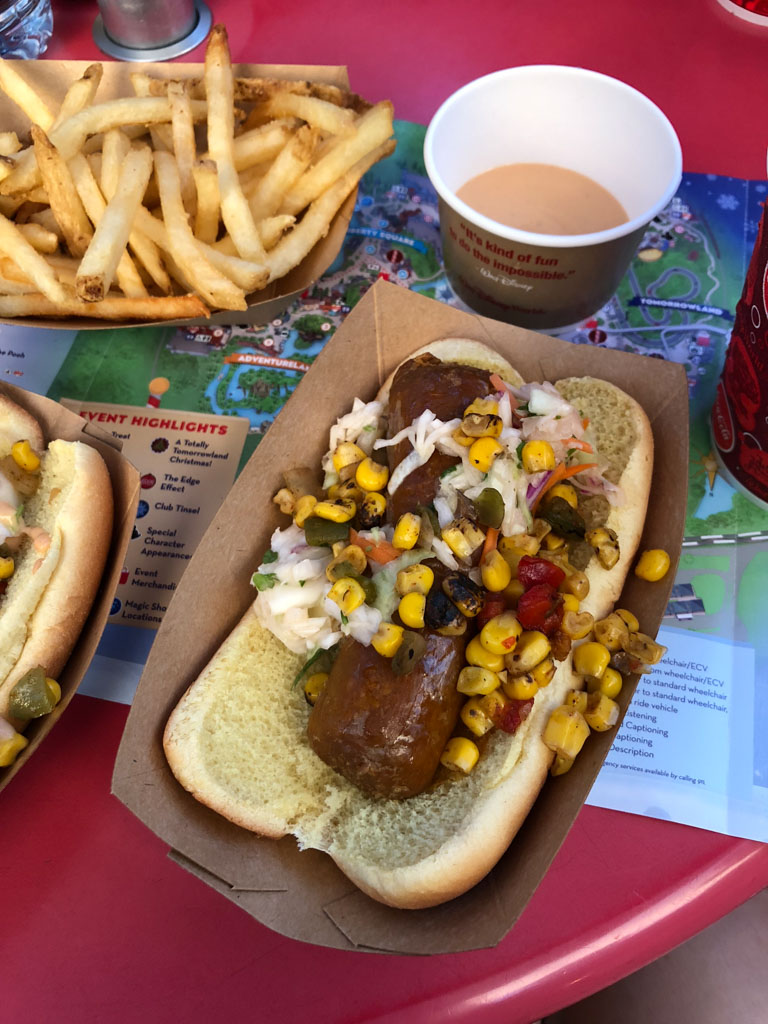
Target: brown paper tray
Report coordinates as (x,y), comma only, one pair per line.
(304,895)
(58,422)
(51,78)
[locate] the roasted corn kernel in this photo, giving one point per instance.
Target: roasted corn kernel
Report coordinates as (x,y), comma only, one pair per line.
(10,748)
(532,647)
(347,454)
(611,631)
(464,593)
(513,592)
(346,489)
(24,457)
(340,510)
(565,491)
(7,565)
(499,634)
(371,476)
(475,718)
(406,531)
(520,687)
(482,407)
(629,619)
(371,510)
(591,659)
(652,565)
(538,456)
(314,686)
(477,424)
(476,654)
(387,639)
(644,648)
(460,754)
(463,537)
(474,680)
(576,699)
(495,571)
(544,672)
(483,452)
(565,731)
(609,683)
(494,702)
(414,579)
(351,558)
(347,594)
(570,603)
(461,438)
(304,508)
(577,624)
(285,500)
(602,713)
(605,543)
(576,583)
(553,542)
(411,609)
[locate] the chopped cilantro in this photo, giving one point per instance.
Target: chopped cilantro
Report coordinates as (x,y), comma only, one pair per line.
(269,556)
(519,452)
(344,619)
(263,580)
(302,582)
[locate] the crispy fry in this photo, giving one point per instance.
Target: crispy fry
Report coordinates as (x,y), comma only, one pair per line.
(72,133)
(87,187)
(17,88)
(62,194)
(114,307)
(321,114)
(114,149)
(208,209)
(235,210)
(314,225)
(183,137)
(268,194)
(372,129)
(215,288)
(80,94)
(15,245)
(161,135)
(263,143)
(39,237)
(113,228)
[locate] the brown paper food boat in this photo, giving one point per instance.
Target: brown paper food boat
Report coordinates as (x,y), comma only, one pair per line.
(303,894)
(58,422)
(51,78)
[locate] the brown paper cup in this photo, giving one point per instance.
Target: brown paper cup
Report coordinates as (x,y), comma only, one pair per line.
(569,117)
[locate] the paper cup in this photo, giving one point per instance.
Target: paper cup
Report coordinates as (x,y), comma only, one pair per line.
(570,117)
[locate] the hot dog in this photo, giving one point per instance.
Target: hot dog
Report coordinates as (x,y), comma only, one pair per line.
(56,513)
(408,831)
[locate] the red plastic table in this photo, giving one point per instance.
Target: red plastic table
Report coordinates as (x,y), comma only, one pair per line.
(98,923)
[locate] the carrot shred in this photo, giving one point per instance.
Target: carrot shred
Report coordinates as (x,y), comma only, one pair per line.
(574,442)
(561,472)
(501,385)
(585,423)
(380,551)
(491,540)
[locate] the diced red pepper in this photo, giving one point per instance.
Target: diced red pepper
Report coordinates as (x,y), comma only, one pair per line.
(540,607)
(494,604)
(531,571)
(513,714)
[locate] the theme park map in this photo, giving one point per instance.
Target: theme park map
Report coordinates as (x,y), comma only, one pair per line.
(676,302)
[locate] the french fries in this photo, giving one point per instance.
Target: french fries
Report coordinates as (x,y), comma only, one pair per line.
(192,195)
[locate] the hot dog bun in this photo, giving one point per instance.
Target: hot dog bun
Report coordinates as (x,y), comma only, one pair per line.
(237,739)
(49,595)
